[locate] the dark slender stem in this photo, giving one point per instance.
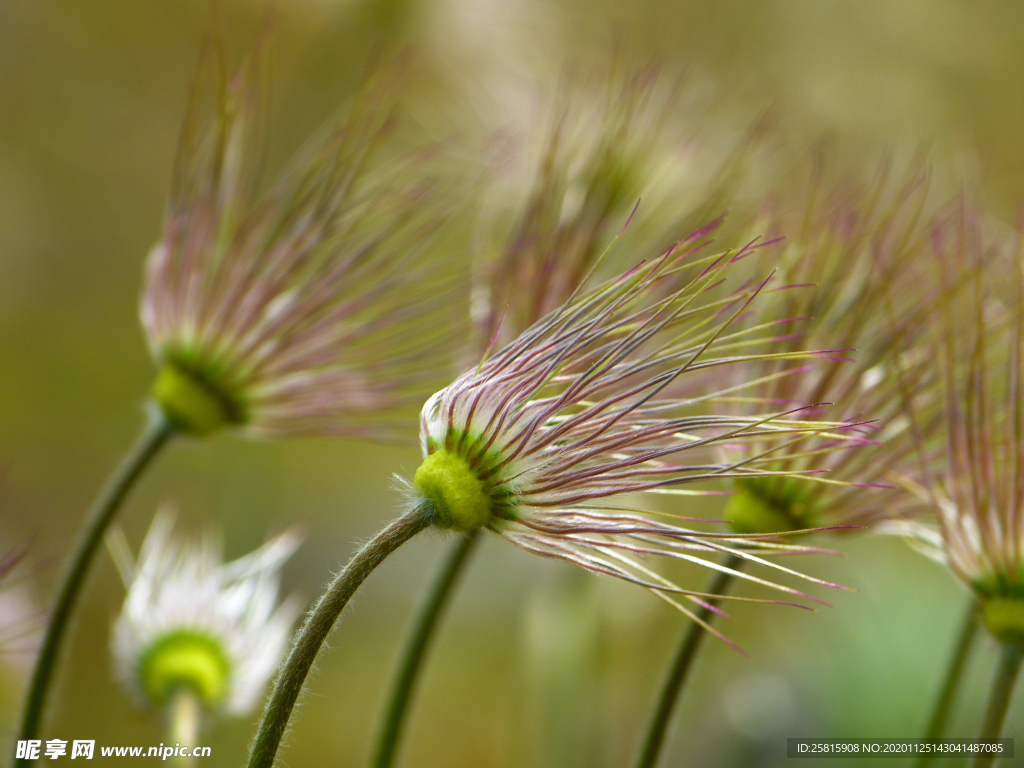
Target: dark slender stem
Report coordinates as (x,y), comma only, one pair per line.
(680,669)
(957,664)
(103,511)
(410,662)
(999,699)
(318,625)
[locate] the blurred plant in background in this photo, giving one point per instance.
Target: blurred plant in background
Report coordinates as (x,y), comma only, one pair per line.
(308,308)
(610,155)
(20,622)
(177,588)
(198,636)
(19,616)
(855,254)
(970,437)
(89,100)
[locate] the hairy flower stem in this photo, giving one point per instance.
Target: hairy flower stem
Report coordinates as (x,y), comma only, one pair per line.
(957,664)
(999,699)
(416,645)
(103,511)
(184,730)
(318,625)
(678,673)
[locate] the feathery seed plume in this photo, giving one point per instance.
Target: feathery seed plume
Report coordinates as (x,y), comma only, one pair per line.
(308,307)
(554,441)
(851,263)
(970,435)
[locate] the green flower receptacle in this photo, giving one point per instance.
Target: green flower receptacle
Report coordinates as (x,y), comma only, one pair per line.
(188,403)
(1004,618)
(184,660)
(454,490)
(748,513)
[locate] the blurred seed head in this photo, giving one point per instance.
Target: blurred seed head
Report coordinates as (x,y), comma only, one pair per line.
(191,621)
(851,266)
(21,620)
(555,441)
(605,151)
(970,435)
(308,306)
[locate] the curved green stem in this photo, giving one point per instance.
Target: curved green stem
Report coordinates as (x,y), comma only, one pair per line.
(318,625)
(416,647)
(103,511)
(680,669)
(999,699)
(957,664)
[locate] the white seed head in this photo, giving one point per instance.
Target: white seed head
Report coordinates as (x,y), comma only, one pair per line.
(191,620)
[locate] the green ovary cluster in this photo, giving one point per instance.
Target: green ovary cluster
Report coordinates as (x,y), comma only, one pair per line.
(1004,618)
(1002,608)
(190,660)
(192,402)
(454,489)
(768,505)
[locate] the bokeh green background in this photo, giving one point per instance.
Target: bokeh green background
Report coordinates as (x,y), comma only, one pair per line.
(537,665)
